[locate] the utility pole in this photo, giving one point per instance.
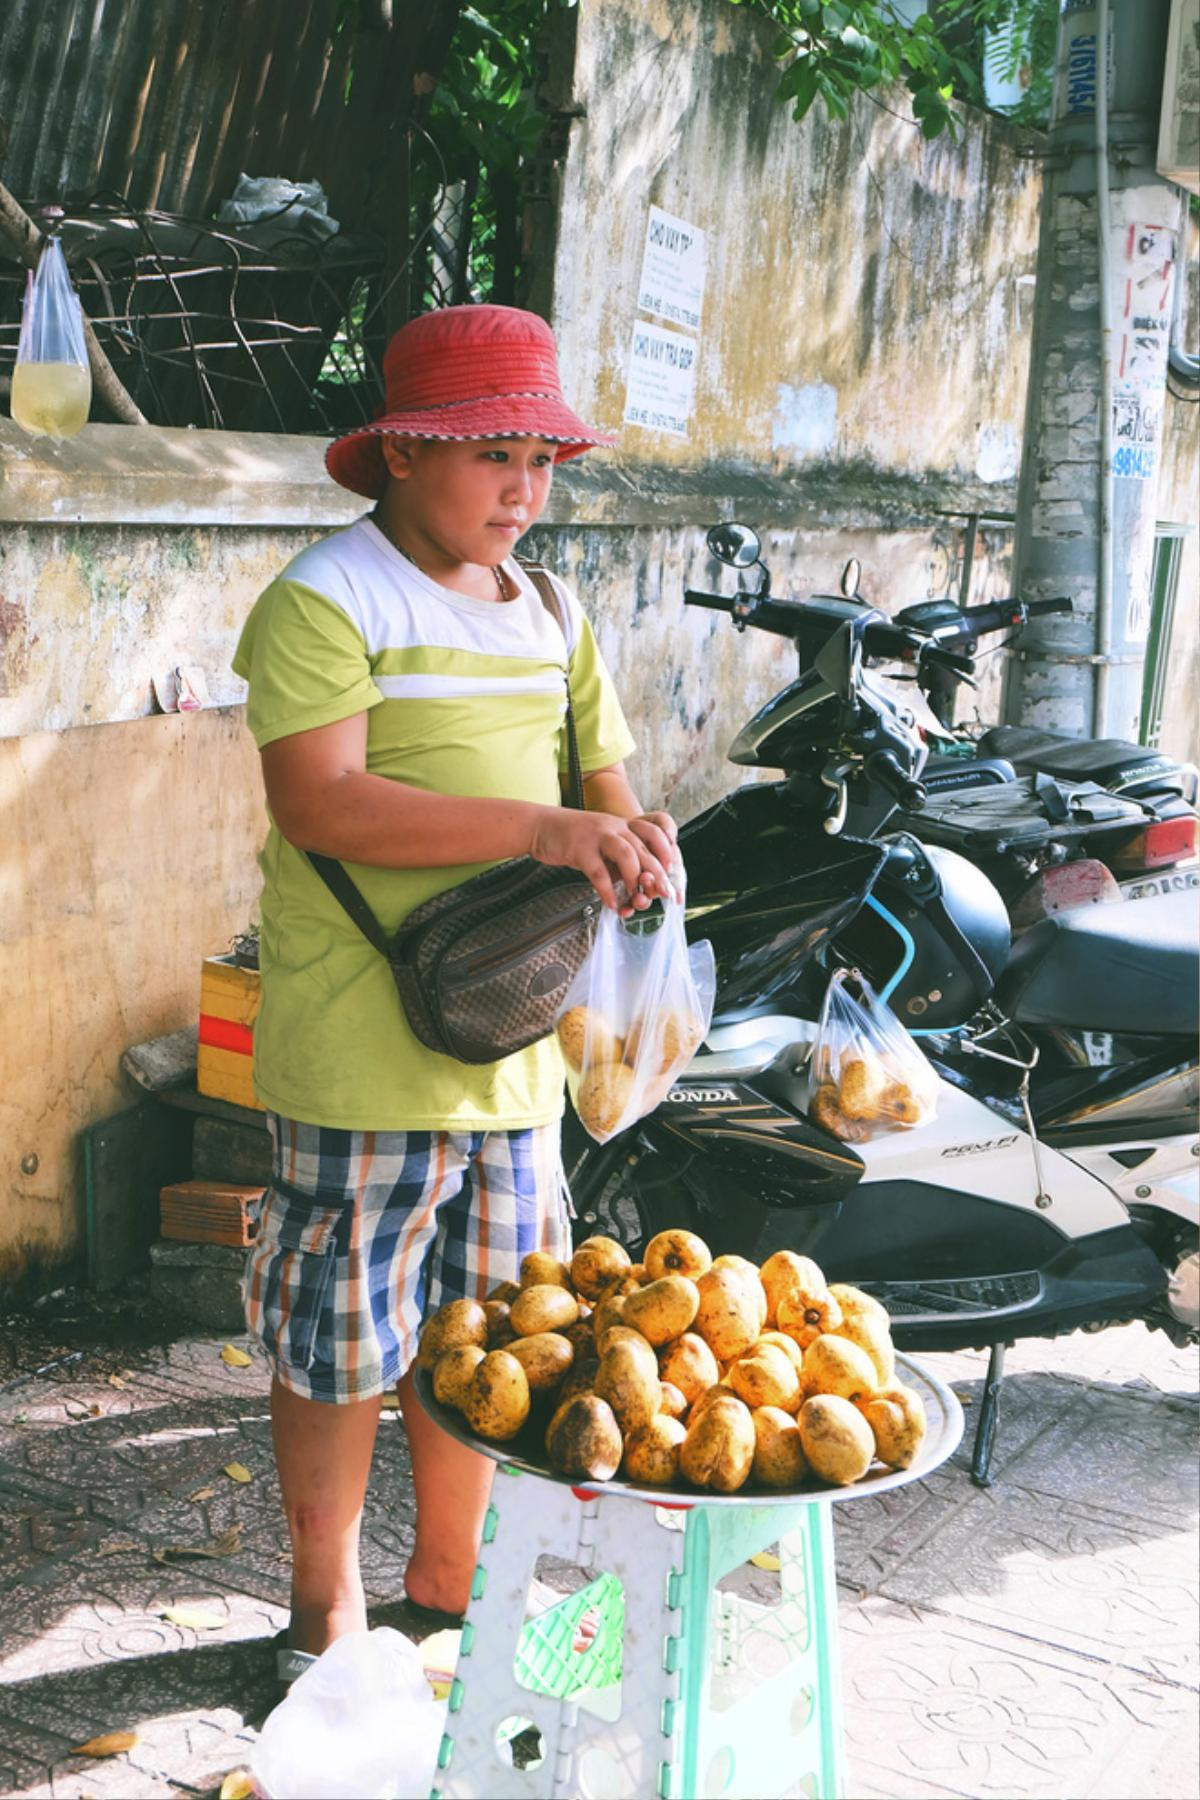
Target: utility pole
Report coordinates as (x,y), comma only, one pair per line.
(1110,238)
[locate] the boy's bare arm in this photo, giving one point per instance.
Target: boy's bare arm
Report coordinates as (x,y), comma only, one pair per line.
(322,798)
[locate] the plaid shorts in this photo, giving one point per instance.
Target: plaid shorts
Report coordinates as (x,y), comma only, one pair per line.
(364,1232)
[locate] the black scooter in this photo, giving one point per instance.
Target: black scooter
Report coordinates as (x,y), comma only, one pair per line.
(1047,1194)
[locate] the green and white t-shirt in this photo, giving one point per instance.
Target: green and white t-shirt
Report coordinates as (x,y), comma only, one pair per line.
(464,697)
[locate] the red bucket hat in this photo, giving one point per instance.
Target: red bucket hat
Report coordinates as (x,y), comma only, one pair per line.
(464,372)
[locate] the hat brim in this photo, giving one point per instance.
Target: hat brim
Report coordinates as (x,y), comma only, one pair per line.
(356,460)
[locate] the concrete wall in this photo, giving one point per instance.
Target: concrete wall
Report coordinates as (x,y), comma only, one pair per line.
(863,350)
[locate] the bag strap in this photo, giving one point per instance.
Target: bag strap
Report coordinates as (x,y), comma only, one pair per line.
(335,876)
(549,596)
(343,889)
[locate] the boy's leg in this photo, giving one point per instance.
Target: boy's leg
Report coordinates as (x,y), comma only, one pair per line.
(512,1201)
(452,1485)
(323,1454)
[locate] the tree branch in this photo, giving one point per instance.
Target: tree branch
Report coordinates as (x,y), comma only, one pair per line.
(27,241)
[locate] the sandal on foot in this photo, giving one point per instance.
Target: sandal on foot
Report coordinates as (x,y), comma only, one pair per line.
(289,1664)
(430,1618)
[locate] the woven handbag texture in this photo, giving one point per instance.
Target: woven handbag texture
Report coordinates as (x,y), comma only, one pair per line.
(482,969)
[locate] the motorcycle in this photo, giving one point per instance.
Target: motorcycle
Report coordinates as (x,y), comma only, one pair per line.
(1056,821)
(1047,1194)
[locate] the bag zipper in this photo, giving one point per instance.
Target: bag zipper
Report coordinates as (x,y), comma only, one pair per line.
(484,961)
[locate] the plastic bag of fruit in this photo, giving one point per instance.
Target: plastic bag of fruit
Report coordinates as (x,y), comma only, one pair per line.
(867,1074)
(635,1015)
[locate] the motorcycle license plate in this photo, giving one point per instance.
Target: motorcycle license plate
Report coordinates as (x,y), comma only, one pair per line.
(1163,881)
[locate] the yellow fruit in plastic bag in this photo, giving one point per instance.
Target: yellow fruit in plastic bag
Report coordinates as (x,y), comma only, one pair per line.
(663,1041)
(861,1082)
(605,1092)
(583,1032)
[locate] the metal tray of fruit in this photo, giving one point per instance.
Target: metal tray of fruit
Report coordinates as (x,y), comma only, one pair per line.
(525,1452)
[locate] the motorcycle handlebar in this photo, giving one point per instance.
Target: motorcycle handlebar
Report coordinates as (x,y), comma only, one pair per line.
(1000,615)
(715,602)
(885,769)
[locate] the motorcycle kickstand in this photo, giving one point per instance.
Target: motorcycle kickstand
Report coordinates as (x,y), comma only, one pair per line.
(989,1408)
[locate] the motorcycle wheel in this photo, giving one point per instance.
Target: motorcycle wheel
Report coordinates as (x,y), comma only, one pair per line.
(615,1195)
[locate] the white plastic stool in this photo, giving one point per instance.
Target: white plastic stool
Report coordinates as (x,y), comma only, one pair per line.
(697,1691)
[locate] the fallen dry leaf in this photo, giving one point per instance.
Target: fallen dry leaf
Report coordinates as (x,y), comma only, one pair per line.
(115,1381)
(766,1559)
(111,1549)
(237,1785)
(110,1743)
(202,1494)
(238,1472)
(236,1359)
(390,1403)
(193,1618)
(225,1545)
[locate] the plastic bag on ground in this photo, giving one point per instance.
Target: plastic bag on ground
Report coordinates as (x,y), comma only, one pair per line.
(361,1724)
(634,1016)
(868,1075)
(52,382)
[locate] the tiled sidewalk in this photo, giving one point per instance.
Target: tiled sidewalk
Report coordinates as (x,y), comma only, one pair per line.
(1037,1639)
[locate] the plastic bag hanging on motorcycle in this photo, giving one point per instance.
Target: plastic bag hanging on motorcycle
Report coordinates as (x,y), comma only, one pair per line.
(634,1016)
(867,1074)
(52,382)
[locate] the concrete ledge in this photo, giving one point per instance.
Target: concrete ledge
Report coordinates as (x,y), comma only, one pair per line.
(131,474)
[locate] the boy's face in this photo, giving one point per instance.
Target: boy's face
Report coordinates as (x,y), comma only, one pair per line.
(472,500)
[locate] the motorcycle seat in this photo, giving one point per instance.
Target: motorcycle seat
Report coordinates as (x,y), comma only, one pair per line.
(1129,967)
(1114,763)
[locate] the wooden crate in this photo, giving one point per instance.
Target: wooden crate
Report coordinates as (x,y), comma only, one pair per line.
(228,1008)
(210,1212)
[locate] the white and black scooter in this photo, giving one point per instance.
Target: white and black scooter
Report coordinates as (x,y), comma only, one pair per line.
(1057,1187)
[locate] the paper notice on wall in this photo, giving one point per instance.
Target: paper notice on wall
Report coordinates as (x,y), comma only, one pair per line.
(672,279)
(661,389)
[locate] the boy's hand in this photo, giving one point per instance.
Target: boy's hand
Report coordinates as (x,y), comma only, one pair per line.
(606,849)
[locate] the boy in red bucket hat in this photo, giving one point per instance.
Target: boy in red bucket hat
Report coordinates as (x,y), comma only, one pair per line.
(407,693)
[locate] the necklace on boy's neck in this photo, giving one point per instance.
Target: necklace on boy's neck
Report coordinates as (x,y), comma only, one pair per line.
(378,519)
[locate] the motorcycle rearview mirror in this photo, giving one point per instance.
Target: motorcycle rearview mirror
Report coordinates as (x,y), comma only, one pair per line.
(851,576)
(737,546)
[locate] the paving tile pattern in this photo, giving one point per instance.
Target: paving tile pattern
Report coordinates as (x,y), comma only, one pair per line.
(1035,1639)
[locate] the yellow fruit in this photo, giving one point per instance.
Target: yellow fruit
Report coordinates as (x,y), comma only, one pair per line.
(677,1253)
(453,1374)
(790,1275)
(663,1309)
(781,1341)
(861,1083)
(718,1391)
(605,1093)
(584,1440)
(779,1459)
(499,1323)
(854,1300)
(873,1337)
(544,1307)
(540,1270)
(662,1042)
(897,1419)
(765,1377)
(728,1314)
(833,1365)
(837,1440)
(641,1347)
(689,1364)
(652,1451)
(461,1322)
(545,1358)
(742,1266)
(598,1262)
(504,1290)
(805,1317)
(608,1311)
(673,1403)
(580,1378)
(718,1451)
(621,1379)
(497,1402)
(584,1036)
